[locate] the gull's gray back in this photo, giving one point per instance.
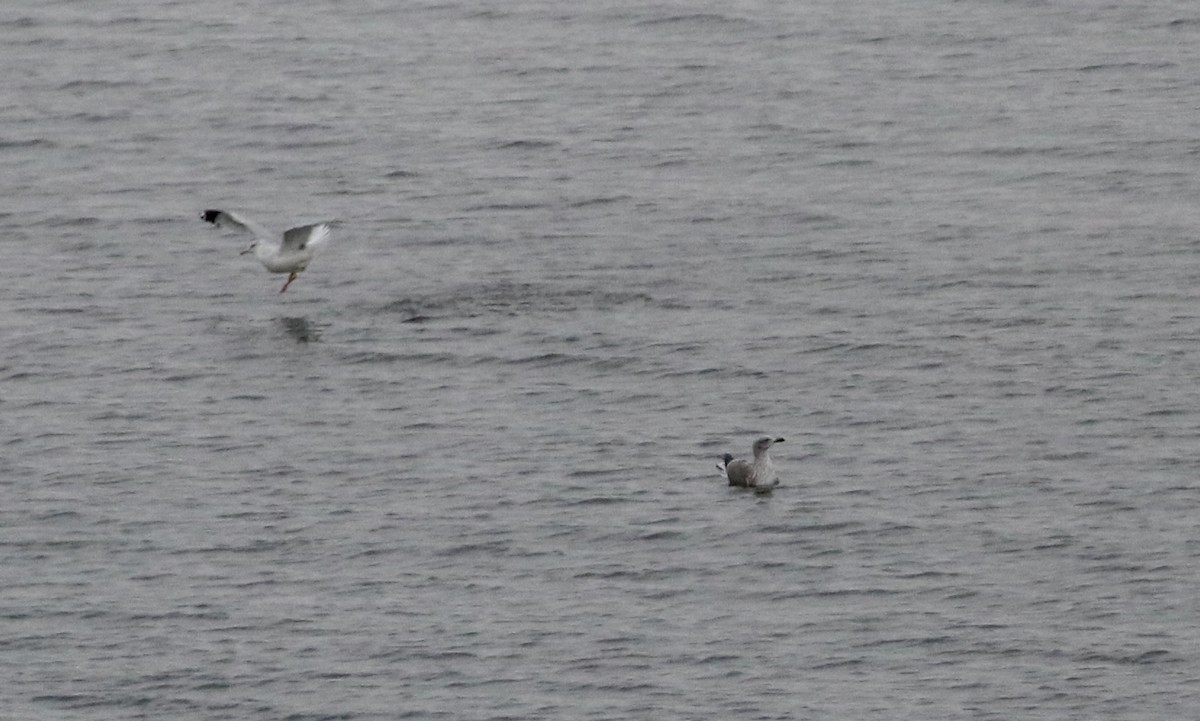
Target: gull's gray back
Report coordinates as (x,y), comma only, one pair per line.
(739,473)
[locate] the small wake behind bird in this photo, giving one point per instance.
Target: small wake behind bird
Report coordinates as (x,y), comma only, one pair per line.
(290,255)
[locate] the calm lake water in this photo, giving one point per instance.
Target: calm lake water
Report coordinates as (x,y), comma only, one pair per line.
(465,467)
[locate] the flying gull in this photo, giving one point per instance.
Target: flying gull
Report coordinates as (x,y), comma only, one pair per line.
(290,256)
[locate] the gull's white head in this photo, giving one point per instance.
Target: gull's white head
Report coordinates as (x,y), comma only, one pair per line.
(762,444)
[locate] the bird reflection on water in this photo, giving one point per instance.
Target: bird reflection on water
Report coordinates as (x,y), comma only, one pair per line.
(301,329)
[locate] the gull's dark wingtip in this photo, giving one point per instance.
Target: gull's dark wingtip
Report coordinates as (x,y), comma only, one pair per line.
(210,216)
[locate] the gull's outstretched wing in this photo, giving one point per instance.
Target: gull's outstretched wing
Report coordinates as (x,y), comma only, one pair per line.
(306,237)
(224,218)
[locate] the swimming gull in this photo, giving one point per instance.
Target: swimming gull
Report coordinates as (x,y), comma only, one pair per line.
(759,473)
(290,256)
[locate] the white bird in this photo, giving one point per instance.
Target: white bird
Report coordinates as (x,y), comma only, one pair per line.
(290,256)
(759,473)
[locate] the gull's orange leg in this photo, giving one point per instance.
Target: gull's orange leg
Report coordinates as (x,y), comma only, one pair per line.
(291,277)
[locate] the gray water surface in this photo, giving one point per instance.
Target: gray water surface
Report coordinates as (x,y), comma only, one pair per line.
(464,467)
